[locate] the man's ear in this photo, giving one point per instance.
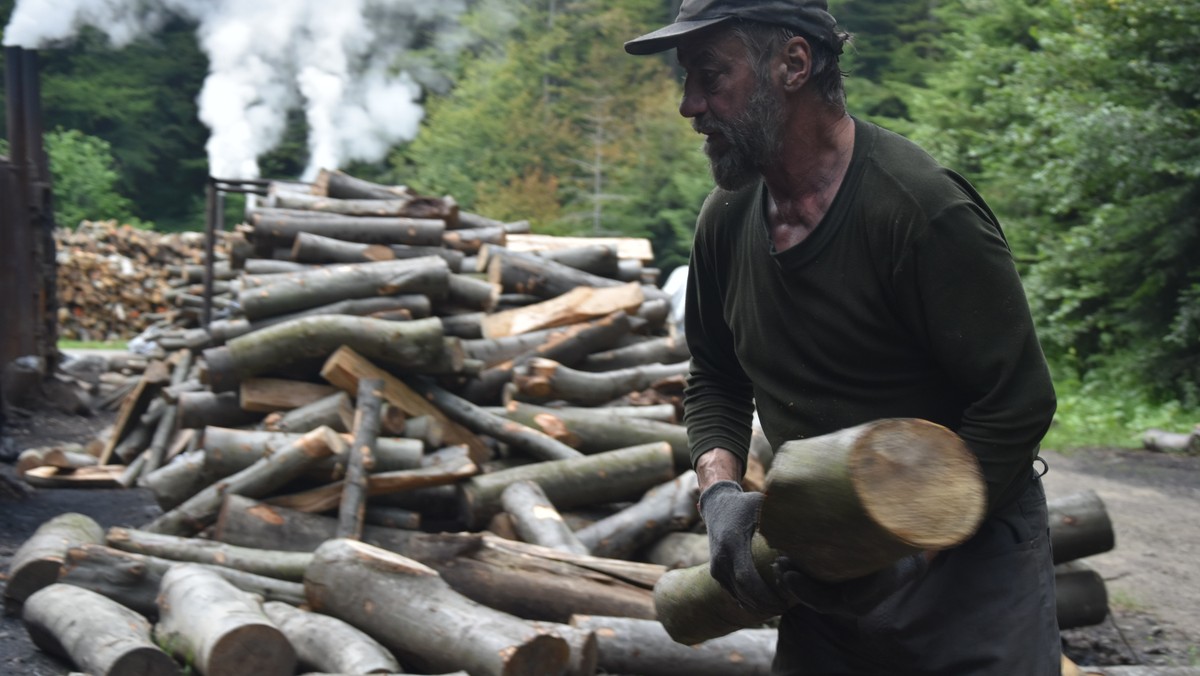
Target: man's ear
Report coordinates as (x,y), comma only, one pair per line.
(797,64)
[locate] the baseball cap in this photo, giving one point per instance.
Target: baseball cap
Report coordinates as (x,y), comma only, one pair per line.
(810,17)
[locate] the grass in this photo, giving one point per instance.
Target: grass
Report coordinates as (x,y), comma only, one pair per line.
(91,345)
(1094,415)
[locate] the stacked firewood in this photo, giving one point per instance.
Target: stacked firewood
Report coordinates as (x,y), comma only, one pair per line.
(115,281)
(417,445)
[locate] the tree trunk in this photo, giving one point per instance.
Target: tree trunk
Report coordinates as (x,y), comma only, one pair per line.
(259,479)
(597,259)
(268,563)
(96,634)
(545,379)
(627,247)
(529,440)
(428,275)
(344,369)
(493,351)
(218,627)
(332,412)
(311,248)
(267,395)
(396,207)
(279,227)
(1080,596)
(401,307)
(537,275)
(38,561)
(231,451)
(340,185)
(596,479)
(537,520)
(327,644)
(134,580)
(594,430)
(197,410)
(679,550)
(468,293)
(470,240)
(351,580)
(665,508)
(636,646)
(178,480)
(360,458)
(417,346)
(665,350)
(847,504)
(1079,527)
(577,305)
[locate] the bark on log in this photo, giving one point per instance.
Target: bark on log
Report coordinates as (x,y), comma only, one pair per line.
(134,580)
(329,496)
(468,293)
(392,517)
(325,643)
(545,379)
(679,550)
(492,351)
(597,259)
(1172,442)
(340,185)
(197,410)
(38,561)
(265,562)
(217,627)
(577,305)
(96,634)
(665,508)
(536,520)
(1079,526)
(594,430)
(279,227)
(428,275)
(467,325)
(261,478)
(585,654)
(332,412)
(664,350)
(313,248)
(417,346)
(627,247)
(1080,596)
(596,479)
(410,206)
(536,275)
(229,451)
(156,453)
(345,367)
(360,458)
(529,440)
(636,646)
(401,307)
(266,395)
(350,580)
(471,240)
(156,376)
(847,504)
(178,480)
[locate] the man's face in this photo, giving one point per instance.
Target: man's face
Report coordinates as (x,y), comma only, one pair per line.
(741,115)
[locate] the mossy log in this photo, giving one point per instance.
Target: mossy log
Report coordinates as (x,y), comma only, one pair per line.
(38,561)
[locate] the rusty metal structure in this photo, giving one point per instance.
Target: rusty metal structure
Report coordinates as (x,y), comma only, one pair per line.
(28,271)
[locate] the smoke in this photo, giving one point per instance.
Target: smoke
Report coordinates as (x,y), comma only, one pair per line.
(340,62)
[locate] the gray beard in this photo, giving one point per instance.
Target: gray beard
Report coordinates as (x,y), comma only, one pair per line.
(753,140)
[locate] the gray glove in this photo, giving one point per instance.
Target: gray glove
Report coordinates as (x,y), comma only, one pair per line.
(851,598)
(731,516)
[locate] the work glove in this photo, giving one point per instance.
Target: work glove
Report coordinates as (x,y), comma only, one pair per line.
(850,598)
(731,516)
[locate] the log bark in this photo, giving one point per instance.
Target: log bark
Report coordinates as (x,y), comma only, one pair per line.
(350,580)
(409,206)
(1079,526)
(1172,442)
(156,453)
(220,629)
(636,646)
(468,293)
(197,410)
(529,440)
(627,247)
(279,227)
(492,351)
(536,520)
(536,275)
(259,479)
(664,350)
(597,259)
(38,561)
(596,479)
(134,580)
(156,376)
(312,248)
(545,380)
(400,307)
(428,275)
(345,367)
(96,634)
(417,346)
(229,451)
(847,504)
(665,508)
(1080,595)
(340,185)
(332,411)
(584,648)
(266,395)
(325,643)
(264,562)
(360,458)
(178,480)
(577,305)
(470,240)
(392,517)
(329,496)
(679,550)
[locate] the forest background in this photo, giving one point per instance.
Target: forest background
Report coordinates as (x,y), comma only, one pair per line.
(1078,120)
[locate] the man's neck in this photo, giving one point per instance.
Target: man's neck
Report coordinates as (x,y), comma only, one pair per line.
(802,184)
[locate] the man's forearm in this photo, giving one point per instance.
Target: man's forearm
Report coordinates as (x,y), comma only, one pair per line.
(718,464)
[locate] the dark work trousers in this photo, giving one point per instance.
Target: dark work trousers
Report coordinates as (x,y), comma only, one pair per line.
(985,608)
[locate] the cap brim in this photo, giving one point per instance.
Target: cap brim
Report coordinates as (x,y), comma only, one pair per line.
(669,36)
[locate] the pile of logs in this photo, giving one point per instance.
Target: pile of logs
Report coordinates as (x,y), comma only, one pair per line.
(413,446)
(115,281)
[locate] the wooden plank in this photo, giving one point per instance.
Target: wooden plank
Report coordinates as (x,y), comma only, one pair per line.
(267,395)
(577,305)
(627,247)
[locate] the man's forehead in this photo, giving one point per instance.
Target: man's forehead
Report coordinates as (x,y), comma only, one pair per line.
(713,47)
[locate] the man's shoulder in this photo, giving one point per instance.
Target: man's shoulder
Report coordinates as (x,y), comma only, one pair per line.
(898,165)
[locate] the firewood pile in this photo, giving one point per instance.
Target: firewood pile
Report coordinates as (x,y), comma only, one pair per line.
(421,441)
(115,281)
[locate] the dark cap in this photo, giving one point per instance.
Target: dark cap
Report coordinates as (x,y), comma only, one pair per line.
(810,17)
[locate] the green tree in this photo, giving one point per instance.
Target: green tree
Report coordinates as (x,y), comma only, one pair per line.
(85,180)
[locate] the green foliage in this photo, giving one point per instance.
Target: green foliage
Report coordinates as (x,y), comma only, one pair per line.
(85,180)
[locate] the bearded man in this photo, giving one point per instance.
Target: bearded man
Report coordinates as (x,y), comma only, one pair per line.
(840,275)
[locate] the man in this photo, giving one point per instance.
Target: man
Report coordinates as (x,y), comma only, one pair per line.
(839,275)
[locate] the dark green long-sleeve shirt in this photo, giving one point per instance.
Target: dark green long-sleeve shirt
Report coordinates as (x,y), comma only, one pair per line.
(903,302)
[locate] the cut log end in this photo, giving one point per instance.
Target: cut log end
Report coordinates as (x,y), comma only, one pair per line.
(927,505)
(533,657)
(252,649)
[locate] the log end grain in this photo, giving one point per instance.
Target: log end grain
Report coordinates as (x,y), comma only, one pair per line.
(920,482)
(259,649)
(540,655)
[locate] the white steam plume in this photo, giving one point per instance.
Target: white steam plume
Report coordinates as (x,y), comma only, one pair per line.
(338,60)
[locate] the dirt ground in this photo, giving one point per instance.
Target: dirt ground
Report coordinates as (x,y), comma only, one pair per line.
(1152,576)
